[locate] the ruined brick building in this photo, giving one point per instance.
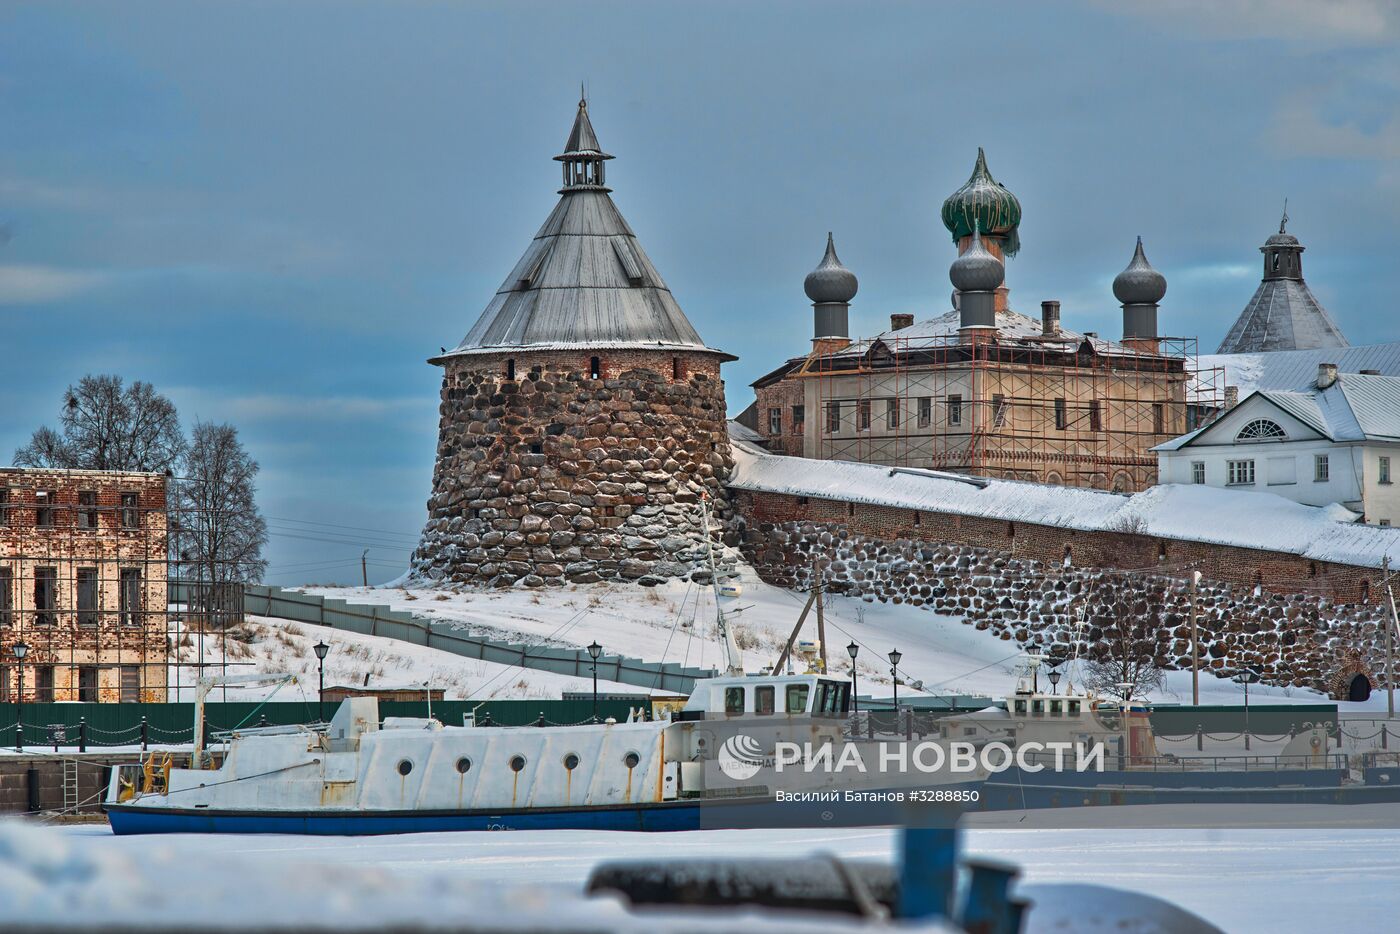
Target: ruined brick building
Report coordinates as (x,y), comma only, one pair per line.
(83,585)
(983,389)
(582,417)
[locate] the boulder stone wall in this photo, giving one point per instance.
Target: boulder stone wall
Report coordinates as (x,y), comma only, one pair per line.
(1294,638)
(575,467)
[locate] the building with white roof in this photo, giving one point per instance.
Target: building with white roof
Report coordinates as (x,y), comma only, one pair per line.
(1336,440)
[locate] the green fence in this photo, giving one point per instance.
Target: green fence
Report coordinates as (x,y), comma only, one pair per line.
(97,725)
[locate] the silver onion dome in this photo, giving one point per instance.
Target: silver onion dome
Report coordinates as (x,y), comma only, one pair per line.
(1139,284)
(977,270)
(830,281)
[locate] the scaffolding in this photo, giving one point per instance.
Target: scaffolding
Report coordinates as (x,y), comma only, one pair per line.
(1058,408)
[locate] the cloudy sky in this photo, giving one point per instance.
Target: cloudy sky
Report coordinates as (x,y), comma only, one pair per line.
(276,211)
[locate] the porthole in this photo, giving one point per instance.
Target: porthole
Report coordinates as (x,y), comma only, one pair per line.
(405,766)
(571,762)
(464,765)
(517,763)
(631,759)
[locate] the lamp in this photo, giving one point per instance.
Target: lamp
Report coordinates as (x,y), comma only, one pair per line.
(594,650)
(1054,681)
(852,650)
(20,649)
(895,656)
(321,650)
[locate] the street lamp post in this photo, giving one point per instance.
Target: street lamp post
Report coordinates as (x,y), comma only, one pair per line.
(20,649)
(320,648)
(895,656)
(594,650)
(1054,681)
(851,650)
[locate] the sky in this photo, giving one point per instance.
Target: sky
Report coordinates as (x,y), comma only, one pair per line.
(275,212)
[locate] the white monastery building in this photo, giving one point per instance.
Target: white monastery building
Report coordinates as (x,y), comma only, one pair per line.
(1335,441)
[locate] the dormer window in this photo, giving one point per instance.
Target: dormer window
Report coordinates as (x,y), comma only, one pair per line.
(1262,429)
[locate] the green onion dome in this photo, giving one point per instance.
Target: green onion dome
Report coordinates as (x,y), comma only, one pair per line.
(984,202)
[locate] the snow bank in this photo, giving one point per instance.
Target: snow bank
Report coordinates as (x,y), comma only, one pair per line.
(1187,512)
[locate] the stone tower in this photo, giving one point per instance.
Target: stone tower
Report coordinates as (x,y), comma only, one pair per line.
(1283,314)
(582,417)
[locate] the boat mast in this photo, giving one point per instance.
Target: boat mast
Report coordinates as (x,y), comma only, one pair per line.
(733,660)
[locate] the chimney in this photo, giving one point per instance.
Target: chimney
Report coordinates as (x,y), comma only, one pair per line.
(1326,375)
(900,322)
(1232,397)
(1049,319)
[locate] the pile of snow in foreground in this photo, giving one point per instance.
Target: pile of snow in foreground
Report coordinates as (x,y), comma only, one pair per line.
(674,622)
(59,881)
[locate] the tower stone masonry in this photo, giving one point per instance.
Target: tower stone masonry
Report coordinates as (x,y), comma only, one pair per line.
(582,417)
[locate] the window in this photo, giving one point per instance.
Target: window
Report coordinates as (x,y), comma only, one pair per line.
(1198,471)
(1095,415)
(1239,473)
(1159,418)
(797,697)
(1061,418)
(131,513)
(1383,470)
(1322,469)
(676,373)
(129,597)
(43,684)
(87,509)
(510,369)
(87,684)
(775,421)
(733,701)
(763,699)
(863,415)
(1384,523)
(4,507)
(955,410)
(595,368)
(130,684)
(87,596)
(7,597)
(998,411)
(43,509)
(892,413)
(799,418)
(833,417)
(1261,429)
(1073,707)
(45,595)
(925,411)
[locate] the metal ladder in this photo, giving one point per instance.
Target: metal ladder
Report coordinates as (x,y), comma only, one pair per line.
(70,785)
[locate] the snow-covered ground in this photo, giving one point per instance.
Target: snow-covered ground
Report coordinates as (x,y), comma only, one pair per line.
(673,622)
(265,645)
(1242,880)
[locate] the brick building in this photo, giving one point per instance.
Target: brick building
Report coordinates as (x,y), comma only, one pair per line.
(83,585)
(983,389)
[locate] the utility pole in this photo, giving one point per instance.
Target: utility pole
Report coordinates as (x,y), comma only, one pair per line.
(821,620)
(1195,644)
(364,568)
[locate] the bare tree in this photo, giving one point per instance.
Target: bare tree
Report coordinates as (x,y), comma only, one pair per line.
(106,425)
(1124,662)
(217,533)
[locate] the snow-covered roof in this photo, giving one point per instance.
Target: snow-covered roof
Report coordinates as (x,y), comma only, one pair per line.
(1297,369)
(1186,512)
(1354,408)
(1012,326)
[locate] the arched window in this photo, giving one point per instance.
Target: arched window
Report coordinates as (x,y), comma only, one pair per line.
(1261,429)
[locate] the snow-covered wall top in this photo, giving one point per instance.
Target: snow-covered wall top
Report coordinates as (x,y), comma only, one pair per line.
(1185,512)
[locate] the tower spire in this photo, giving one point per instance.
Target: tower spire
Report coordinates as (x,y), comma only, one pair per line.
(583,158)
(1283,223)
